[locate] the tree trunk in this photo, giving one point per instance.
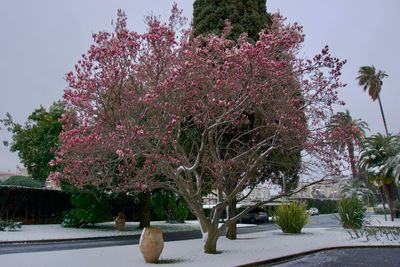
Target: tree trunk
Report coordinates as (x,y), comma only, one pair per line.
(145,210)
(350,147)
(232,228)
(395,197)
(390,201)
(383,115)
(210,242)
(383,202)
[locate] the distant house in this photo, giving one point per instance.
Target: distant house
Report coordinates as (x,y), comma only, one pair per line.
(325,190)
(260,193)
(4,175)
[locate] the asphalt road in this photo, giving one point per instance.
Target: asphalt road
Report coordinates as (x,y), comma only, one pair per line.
(366,257)
(6,248)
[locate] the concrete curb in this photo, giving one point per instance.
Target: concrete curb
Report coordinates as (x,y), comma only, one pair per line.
(38,241)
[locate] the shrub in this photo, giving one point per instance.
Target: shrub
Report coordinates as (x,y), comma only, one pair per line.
(182,212)
(90,207)
(165,205)
(291,218)
(23,181)
(8,225)
(379,209)
(352,213)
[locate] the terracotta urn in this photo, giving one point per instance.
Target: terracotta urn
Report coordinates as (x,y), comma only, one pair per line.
(120,221)
(151,244)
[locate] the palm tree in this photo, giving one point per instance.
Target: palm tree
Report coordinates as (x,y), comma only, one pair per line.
(356,188)
(347,133)
(379,158)
(371,80)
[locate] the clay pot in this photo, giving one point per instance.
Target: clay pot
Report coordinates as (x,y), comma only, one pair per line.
(151,244)
(120,221)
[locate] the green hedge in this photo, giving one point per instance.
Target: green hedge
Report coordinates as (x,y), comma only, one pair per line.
(22,181)
(325,206)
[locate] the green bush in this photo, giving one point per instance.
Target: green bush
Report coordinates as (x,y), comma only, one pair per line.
(8,225)
(165,205)
(352,213)
(182,212)
(90,207)
(23,181)
(291,218)
(324,206)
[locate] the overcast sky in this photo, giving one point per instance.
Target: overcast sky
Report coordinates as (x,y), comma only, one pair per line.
(41,40)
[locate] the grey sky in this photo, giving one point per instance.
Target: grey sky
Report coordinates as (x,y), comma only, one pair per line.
(41,40)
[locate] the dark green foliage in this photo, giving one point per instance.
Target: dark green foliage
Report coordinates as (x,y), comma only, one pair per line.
(291,218)
(325,206)
(37,139)
(245,16)
(90,206)
(352,213)
(33,205)
(22,181)
(165,205)
(9,225)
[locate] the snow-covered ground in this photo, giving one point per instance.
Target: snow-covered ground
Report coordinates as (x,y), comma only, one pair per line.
(379,220)
(246,249)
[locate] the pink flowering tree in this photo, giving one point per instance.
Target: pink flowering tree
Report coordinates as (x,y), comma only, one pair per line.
(162,109)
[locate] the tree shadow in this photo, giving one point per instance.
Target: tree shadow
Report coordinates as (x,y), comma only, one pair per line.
(168,261)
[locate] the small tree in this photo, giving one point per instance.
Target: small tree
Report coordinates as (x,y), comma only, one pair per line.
(376,157)
(135,99)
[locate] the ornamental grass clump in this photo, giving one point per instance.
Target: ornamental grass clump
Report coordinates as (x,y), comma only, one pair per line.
(291,218)
(352,213)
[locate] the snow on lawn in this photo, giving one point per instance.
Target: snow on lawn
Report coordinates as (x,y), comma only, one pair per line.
(248,248)
(379,220)
(56,231)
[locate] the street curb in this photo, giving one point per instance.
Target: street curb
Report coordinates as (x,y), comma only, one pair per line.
(167,237)
(119,237)
(38,241)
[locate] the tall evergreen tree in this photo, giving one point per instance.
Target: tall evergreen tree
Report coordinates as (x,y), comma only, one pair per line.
(371,81)
(245,16)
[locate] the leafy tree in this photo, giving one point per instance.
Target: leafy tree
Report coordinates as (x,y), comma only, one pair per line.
(375,159)
(245,16)
(36,140)
(371,81)
(134,95)
(346,134)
